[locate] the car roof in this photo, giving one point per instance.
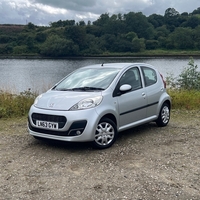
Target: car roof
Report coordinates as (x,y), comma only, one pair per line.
(117,65)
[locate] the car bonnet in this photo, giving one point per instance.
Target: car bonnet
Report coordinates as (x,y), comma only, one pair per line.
(62,100)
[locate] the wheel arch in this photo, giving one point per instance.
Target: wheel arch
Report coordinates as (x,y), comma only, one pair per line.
(111,117)
(168,102)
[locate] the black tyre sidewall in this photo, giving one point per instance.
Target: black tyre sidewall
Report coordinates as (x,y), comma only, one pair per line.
(159,121)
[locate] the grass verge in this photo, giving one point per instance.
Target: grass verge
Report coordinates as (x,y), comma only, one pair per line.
(185,99)
(13,105)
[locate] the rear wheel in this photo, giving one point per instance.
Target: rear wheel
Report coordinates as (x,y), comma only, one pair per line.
(106,133)
(164,116)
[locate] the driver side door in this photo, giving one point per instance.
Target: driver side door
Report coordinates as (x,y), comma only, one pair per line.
(132,103)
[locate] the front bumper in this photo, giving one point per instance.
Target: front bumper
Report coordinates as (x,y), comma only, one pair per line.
(77,126)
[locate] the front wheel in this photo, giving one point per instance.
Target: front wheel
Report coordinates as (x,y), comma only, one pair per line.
(164,115)
(106,133)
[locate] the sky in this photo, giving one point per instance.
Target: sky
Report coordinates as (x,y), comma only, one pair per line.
(43,12)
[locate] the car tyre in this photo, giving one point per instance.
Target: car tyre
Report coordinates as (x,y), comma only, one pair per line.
(164,115)
(105,135)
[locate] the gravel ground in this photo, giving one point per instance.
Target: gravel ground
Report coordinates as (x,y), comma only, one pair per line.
(145,163)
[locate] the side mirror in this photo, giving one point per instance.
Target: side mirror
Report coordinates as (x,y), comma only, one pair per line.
(125,88)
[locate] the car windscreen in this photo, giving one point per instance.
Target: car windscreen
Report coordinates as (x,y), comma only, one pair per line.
(88,79)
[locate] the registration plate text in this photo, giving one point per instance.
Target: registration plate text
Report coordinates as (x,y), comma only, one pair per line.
(49,125)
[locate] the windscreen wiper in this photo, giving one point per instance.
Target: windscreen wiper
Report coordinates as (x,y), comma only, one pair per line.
(87,88)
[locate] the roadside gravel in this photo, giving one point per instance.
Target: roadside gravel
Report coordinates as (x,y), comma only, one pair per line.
(145,163)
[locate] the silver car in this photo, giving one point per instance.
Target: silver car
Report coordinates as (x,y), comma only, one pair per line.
(95,102)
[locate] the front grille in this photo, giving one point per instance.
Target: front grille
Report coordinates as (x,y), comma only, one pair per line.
(61,120)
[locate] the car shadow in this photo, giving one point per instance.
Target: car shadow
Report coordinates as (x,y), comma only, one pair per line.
(87,146)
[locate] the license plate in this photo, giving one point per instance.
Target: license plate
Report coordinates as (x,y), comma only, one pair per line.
(49,125)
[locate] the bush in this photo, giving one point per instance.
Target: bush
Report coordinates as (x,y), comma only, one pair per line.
(13,105)
(185,90)
(189,79)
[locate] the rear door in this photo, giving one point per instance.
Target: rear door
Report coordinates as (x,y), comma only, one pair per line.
(153,89)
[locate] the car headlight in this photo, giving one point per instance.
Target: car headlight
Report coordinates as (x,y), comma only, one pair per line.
(36,100)
(87,103)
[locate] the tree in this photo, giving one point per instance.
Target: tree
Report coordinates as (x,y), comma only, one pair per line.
(81,23)
(156,20)
(94,30)
(196,35)
(30,43)
(138,45)
(130,36)
(171,12)
(151,44)
(190,77)
(196,11)
(162,32)
(138,23)
(171,19)
(102,20)
(107,41)
(58,47)
(192,21)
(77,34)
(182,38)
(93,46)
(40,37)
(31,26)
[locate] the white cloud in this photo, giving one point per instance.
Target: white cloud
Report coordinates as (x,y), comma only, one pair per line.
(41,12)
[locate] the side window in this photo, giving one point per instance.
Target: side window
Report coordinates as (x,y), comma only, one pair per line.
(150,77)
(132,77)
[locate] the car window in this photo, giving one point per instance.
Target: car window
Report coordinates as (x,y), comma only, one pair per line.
(88,78)
(132,77)
(150,77)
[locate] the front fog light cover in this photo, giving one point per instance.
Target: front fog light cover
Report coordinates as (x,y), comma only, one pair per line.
(87,103)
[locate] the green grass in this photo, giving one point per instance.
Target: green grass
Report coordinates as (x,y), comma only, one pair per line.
(12,105)
(15,105)
(185,99)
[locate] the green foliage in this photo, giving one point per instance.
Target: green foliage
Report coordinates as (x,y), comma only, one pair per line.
(31,26)
(138,45)
(132,32)
(58,47)
(40,37)
(20,50)
(182,38)
(185,99)
(12,105)
(151,44)
(185,90)
(130,36)
(189,79)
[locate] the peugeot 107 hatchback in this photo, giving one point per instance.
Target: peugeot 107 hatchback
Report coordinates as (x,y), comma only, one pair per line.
(95,102)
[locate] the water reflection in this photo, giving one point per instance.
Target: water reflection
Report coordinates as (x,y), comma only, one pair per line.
(40,74)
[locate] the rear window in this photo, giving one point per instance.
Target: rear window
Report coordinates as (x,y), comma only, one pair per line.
(150,76)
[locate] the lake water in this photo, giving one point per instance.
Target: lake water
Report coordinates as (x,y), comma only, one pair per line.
(18,75)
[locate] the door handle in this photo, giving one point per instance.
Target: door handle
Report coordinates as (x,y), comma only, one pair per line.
(143,95)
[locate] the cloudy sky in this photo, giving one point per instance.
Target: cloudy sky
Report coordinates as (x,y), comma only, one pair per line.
(42,12)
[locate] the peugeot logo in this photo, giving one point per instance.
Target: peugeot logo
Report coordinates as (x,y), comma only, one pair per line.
(51,105)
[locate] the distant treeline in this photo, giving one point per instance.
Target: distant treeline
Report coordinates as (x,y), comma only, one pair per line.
(128,33)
